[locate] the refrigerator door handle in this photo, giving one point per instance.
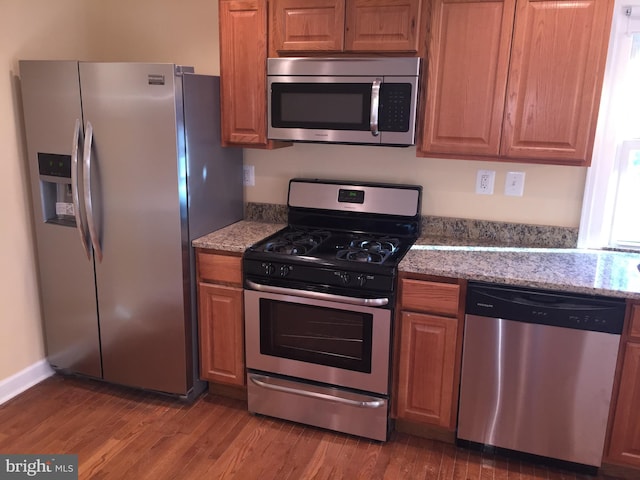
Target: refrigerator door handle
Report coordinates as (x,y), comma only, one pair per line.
(86,174)
(80,226)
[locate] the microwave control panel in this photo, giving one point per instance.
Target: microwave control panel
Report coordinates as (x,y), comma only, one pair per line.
(395,107)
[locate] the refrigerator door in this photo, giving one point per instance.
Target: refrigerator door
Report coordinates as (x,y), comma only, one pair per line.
(51,105)
(138,194)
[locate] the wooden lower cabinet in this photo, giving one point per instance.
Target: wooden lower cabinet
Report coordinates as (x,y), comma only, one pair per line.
(624,444)
(221,319)
(428,351)
(427,364)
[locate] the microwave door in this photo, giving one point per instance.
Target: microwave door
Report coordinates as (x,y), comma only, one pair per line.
(324,109)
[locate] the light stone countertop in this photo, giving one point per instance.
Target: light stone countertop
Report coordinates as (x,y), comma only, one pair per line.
(595,272)
(238,236)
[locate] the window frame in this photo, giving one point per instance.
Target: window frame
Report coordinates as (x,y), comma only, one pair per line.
(596,221)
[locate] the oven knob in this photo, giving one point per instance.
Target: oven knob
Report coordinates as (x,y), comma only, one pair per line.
(284,270)
(361,280)
(345,277)
(268,268)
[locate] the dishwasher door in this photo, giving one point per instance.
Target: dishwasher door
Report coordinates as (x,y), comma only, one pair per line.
(535,387)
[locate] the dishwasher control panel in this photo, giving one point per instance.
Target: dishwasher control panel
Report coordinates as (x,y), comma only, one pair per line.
(569,310)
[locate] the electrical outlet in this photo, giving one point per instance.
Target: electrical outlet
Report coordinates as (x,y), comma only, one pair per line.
(514,184)
(484,182)
(249,175)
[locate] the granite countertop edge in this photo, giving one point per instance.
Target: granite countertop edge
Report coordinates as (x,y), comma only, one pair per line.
(594,272)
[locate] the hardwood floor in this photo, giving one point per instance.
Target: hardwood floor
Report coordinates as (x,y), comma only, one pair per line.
(120,433)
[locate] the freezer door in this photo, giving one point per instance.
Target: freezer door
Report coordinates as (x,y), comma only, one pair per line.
(51,104)
(138,194)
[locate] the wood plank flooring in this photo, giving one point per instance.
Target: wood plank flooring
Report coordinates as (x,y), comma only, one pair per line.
(120,433)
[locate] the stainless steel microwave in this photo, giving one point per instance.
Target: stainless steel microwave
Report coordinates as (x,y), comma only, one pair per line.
(343,100)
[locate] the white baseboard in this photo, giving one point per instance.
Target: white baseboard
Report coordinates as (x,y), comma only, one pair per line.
(21,381)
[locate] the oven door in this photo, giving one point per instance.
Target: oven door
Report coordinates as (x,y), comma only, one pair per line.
(328,341)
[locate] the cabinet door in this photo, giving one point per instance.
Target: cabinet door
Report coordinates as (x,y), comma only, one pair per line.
(427,366)
(309,25)
(467,76)
(220,319)
(625,436)
(555,79)
(382,25)
(243,71)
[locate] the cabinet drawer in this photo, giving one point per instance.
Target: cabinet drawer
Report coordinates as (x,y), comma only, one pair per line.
(219,268)
(634,329)
(430,297)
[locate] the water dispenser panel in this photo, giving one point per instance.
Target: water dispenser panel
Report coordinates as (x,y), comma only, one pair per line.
(55,189)
(54,165)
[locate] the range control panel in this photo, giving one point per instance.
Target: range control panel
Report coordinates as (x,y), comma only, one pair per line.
(308,275)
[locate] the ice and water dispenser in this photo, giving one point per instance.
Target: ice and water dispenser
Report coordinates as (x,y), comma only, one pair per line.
(55,188)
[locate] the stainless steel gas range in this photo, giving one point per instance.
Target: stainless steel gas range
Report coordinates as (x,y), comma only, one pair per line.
(319,297)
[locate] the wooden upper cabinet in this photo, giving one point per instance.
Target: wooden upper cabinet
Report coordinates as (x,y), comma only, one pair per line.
(515,79)
(309,25)
(382,25)
(555,79)
(344,25)
(467,76)
(243,72)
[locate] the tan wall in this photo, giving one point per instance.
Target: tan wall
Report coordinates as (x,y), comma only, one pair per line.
(186,32)
(28,29)
(552,194)
(183,32)
(103,30)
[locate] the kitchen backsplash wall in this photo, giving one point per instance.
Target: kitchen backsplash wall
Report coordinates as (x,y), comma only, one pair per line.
(552,194)
(456,231)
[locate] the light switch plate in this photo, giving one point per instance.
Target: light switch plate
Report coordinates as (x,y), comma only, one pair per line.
(514,184)
(249,175)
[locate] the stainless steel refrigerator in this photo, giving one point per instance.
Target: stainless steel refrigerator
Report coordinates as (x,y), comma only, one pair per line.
(126,170)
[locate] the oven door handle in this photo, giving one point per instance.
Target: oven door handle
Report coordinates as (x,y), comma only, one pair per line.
(271,383)
(371,302)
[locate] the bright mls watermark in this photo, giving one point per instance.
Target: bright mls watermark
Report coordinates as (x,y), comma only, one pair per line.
(51,467)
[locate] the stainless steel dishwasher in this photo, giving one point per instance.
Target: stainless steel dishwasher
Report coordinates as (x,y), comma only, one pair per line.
(538,370)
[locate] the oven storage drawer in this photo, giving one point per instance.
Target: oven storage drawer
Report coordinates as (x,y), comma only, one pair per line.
(326,407)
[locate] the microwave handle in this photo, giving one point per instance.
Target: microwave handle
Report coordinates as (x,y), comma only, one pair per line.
(375,105)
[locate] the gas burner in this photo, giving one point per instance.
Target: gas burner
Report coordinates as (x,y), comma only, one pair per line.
(297,242)
(383,246)
(286,248)
(360,255)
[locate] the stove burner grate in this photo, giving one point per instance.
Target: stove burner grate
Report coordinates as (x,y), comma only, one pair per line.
(369,250)
(298,242)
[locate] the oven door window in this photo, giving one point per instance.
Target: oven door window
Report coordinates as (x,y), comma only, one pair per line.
(330,106)
(324,336)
